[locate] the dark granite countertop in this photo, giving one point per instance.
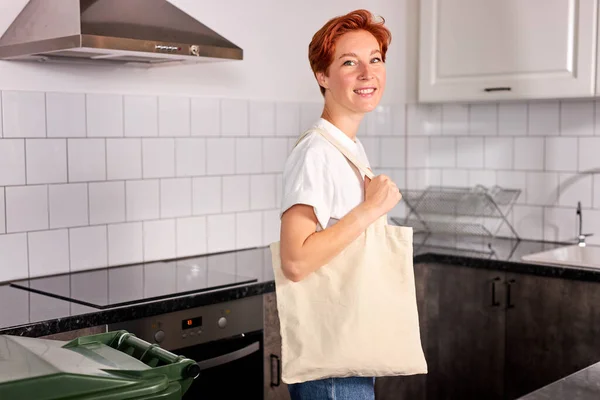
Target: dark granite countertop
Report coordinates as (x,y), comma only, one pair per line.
(32,314)
(582,385)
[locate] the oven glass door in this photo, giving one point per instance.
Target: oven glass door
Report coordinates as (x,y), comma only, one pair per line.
(229,368)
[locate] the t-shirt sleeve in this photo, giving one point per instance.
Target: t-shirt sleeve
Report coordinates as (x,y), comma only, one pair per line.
(307,180)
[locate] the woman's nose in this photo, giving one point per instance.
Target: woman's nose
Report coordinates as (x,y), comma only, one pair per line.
(365,72)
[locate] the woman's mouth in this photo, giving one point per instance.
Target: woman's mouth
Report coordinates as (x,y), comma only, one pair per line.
(365,92)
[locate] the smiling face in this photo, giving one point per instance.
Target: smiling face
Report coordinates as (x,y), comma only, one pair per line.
(356,77)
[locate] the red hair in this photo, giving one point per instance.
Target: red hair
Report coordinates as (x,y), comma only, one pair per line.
(322,46)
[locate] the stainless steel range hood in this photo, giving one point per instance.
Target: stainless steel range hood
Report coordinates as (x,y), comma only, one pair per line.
(149,32)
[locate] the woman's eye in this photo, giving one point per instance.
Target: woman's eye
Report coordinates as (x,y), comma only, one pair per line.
(376,60)
(349,63)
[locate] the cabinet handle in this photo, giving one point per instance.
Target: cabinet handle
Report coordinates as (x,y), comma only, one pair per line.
(498,89)
(278,366)
(495,303)
(508,287)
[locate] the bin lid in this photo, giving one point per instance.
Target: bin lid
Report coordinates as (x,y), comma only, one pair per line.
(50,369)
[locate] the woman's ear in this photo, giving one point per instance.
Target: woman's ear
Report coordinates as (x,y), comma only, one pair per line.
(322,79)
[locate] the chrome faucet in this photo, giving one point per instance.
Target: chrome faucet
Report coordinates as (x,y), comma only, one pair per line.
(581,237)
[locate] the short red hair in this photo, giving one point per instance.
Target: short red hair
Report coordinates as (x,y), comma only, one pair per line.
(322,46)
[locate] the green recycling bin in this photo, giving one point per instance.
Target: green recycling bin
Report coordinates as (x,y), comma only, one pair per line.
(108,366)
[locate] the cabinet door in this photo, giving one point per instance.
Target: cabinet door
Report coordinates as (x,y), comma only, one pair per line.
(552,331)
(274,388)
(511,49)
(462,334)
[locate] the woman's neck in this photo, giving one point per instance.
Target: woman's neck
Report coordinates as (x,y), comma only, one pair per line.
(344,121)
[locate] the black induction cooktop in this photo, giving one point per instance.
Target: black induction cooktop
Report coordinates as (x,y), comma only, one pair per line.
(121,286)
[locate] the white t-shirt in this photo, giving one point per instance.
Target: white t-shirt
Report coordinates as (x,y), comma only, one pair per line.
(317,174)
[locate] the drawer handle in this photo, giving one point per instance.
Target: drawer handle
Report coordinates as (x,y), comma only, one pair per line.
(498,89)
(495,303)
(278,366)
(508,296)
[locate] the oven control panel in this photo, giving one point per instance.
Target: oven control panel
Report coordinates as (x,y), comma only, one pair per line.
(198,325)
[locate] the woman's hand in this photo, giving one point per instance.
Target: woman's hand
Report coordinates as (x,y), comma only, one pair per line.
(381,194)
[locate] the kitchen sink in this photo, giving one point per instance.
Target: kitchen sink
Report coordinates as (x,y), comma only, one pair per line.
(570,256)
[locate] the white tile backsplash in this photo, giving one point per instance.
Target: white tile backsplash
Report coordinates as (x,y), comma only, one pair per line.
(65,115)
(124,158)
(425,120)
(26,208)
(274,153)
(142,200)
(574,188)
(174,116)
(68,205)
(262,192)
(544,118)
(455,119)
(220,156)
(220,232)
(597,191)
(207,195)
(159,240)
(470,152)
(561,154)
(106,202)
(418,152)
(190,156)
(248,155)
(393,153)
(158,158)
(559,224)
(87,160)
(125,243)
(175,197)
(236,193)
(271,227)
(588,153)
(140,116)
(498,153)
(443,152)
(14,262)
(2,212)
(206,117)
(48,252)
(529,154)
(372,149)
(104,115)
(483,119)
(88,248)
(577,118)
(12,162)
(542,188)
(262,118)
(24,114)
(217,193)
(191,236)
(234,117)
(512,119)
(248,229)
(287,119)
(46,161)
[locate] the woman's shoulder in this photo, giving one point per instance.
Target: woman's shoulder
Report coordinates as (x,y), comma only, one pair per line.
(313,144)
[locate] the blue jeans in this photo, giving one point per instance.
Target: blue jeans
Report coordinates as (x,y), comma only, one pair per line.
(354,388)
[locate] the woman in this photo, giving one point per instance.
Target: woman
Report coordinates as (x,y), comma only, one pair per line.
(326,202)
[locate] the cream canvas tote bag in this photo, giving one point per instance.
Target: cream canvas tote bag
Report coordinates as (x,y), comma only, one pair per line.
(356,315)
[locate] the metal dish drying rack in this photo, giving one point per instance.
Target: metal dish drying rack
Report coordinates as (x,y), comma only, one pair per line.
(476,211)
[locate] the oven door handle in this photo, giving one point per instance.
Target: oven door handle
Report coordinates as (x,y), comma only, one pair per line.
(229,357)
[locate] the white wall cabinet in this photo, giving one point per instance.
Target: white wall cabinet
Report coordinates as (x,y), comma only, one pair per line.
(476,50)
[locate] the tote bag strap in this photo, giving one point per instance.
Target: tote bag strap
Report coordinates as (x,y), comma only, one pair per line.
(351,157)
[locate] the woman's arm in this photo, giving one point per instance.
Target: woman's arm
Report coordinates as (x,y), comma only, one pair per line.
(303,250)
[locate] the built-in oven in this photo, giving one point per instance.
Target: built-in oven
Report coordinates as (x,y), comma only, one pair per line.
(225,339)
